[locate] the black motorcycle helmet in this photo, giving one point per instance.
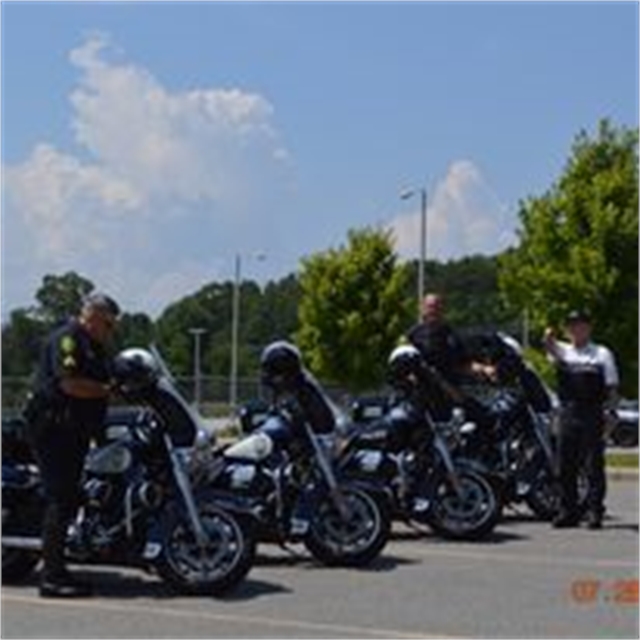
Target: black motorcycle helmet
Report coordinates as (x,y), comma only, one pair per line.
(135,369)
(281,366)
(406,367)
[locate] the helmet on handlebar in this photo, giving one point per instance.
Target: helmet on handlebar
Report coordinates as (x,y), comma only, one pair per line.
(281,366)
(406,366)
(135,369)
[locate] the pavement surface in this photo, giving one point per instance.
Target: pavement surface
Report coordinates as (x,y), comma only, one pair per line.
(528,580)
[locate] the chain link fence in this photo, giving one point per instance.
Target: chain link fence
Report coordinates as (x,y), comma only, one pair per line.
(214,393)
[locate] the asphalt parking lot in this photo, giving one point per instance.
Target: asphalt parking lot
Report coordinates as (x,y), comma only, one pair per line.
(529,580)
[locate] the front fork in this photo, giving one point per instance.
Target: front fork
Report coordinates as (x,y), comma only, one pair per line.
(184,486)
(452,475)
(326,468)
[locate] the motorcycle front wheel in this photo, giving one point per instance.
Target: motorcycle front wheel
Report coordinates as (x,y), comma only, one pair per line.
(354,540)
(543,496)
(469,511)
(213,568)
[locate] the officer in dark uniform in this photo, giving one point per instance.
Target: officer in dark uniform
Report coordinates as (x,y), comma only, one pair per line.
(67,408)
(587,388)
(442,348)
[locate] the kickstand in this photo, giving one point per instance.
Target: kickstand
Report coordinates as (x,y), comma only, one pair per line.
(418,529)
(293,554)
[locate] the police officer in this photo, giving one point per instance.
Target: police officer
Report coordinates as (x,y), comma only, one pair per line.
(587,388)
(442,348)
(68,407)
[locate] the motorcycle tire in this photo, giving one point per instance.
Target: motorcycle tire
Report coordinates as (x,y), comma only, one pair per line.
(229,556)
(544,496)
(625,435)
(18,564)
(19,519)
(353,543)
(470,516)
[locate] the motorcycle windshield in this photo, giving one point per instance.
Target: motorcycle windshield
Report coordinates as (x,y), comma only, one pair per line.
(321,412)
(536,392)
(174,414)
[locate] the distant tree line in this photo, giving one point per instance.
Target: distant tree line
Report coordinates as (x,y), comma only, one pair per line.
(267,313)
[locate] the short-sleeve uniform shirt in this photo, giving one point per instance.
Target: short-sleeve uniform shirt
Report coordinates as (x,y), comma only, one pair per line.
(70,352)
(577,365)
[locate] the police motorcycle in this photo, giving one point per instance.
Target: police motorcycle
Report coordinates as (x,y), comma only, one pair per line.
(403,451)
(284,471)
(142,501)
(516,440)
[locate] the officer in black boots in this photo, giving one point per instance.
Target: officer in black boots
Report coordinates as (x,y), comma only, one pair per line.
(587,389)
(65,412)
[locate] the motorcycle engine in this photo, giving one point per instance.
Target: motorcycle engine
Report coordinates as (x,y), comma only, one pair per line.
(98,492)
(114,458)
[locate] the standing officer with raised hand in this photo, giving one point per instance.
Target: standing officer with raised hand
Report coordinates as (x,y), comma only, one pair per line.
(587,388)
(66,410)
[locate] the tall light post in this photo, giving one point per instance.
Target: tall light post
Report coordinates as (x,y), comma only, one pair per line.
(197,332)
(405,195)
(235,324)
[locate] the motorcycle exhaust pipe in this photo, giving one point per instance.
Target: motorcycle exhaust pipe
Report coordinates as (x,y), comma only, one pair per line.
(22,542)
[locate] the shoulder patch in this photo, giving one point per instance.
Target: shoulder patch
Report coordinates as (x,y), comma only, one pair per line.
(67,344)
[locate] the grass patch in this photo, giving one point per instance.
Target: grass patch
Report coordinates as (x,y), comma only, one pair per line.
(622,460)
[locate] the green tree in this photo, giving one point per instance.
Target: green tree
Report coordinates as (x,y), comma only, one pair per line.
(135,330)
(266,314)
(579,245)
(353,309)
(61,296)
(22,338)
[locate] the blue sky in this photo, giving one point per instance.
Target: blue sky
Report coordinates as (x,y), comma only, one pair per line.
(145,144)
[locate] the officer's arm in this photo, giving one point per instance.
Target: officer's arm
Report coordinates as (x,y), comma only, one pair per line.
(552,346)
(611,378)
(84,388)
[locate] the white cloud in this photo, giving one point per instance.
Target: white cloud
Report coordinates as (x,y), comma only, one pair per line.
(464,216)
(189,145)
(147,157)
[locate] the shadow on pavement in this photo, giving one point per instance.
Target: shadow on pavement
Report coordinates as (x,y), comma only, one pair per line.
(498,536)
(116,584)
(384,562)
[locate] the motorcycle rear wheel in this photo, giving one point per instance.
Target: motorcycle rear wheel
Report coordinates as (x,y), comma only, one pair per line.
(220,566)
(544,496)
(17,564)
(355,542)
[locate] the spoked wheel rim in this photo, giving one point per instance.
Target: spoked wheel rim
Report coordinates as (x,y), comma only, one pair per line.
(466,509)
(348,535)
(212,561)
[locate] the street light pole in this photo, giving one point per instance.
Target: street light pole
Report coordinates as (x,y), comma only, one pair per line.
(197,393)
(423,242)
(235,324)
(235,321)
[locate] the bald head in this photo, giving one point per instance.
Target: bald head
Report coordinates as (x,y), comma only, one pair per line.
(432,308)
